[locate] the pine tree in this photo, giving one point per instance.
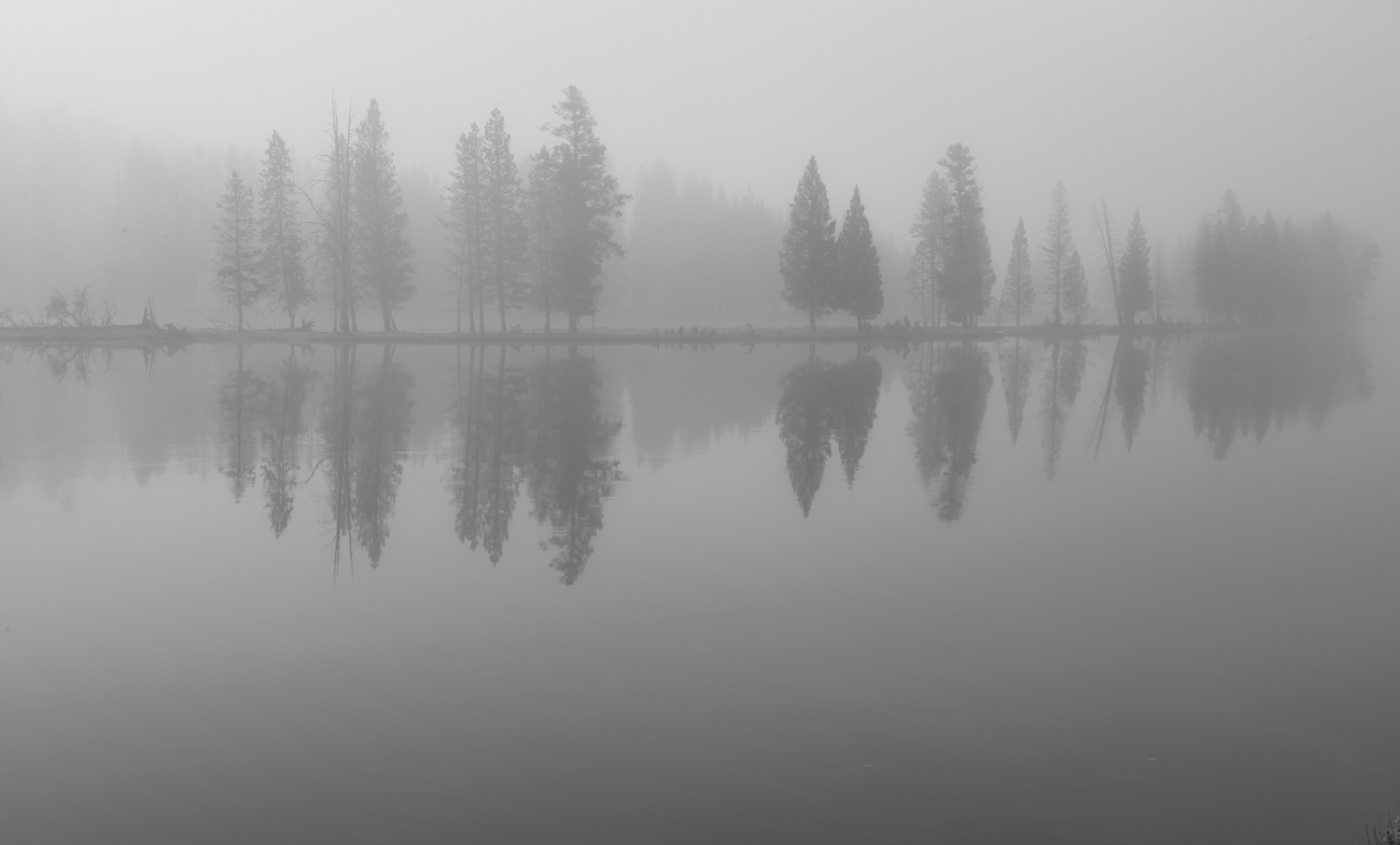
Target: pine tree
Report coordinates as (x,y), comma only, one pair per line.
(968,275)
(858,278)
(541,206)
(589,200)
(1018,289)
(503,231)
(1074,289)
(1133,274)
(463,223)
(237,255)
(283,271)
(385,257)
(1161,285)
(335,217)
(808,258)
(1059,244)
(930,232)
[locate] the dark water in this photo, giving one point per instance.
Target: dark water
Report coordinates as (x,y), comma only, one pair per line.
(1109,591)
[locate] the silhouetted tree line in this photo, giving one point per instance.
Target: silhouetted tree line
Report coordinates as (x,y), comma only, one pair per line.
(1252,269)
(695,253)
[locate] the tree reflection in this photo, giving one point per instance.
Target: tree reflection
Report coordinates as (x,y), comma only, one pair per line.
(1064,373)
(237,400)
(569,471)
(1130,384)
(286,394)
(365,430)
(381,434)
(338,435)
(1016,383)
(1246,383)
(819,402)
(948,389)
(488,419)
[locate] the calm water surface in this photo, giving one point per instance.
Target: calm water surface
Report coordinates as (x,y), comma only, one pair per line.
(1097,592)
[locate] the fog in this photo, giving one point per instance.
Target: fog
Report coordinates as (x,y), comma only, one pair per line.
(1159,108)
(776,423)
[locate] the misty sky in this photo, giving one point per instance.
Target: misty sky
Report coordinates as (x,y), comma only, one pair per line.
(1159,105)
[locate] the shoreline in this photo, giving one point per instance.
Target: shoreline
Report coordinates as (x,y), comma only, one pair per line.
(145,337)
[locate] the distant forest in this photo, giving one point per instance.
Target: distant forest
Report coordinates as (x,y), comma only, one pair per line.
(549,239)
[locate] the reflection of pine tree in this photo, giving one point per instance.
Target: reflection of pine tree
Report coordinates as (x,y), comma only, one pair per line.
(568,471)
(804,423)
(1063,375)
(822,401)
(238,400)
(948,391)
(853,391)
(1130,385)
(1016,382)
(338,435)
(287,391)
(381,434)
(483,479)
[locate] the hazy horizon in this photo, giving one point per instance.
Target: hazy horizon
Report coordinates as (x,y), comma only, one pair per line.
(1153,107)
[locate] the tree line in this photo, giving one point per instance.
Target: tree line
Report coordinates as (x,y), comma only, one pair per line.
(512,243)
(1252,269)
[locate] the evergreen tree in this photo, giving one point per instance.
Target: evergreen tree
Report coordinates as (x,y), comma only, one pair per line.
(237,255)
(930,237)
(503,230)
(1133,273)
(1074,289)
(282,268)
(1161,284)
(858,279)
(385,257)
(541,205)
(1018,289)
(1058,246)
(808,257)
(589,200)
(968,276)
(463,223)
(336,241)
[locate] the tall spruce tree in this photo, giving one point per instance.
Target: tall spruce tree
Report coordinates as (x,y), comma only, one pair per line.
(1074,289)
(1018,288)
(237,254)
(589,200)
(463,224)
(808,257)
(930,233)
(1134,274)
(283,245)
(335,218)
(541,206)
(858,266)
(503,230)
(1059,244)
(385,256)
(968,276)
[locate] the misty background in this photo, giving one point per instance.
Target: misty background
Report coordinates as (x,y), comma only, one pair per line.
(119,126)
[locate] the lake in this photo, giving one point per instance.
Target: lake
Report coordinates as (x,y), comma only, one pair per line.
(1089,591)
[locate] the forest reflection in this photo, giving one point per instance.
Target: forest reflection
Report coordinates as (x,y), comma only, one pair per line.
(1247,384)
(543,423)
